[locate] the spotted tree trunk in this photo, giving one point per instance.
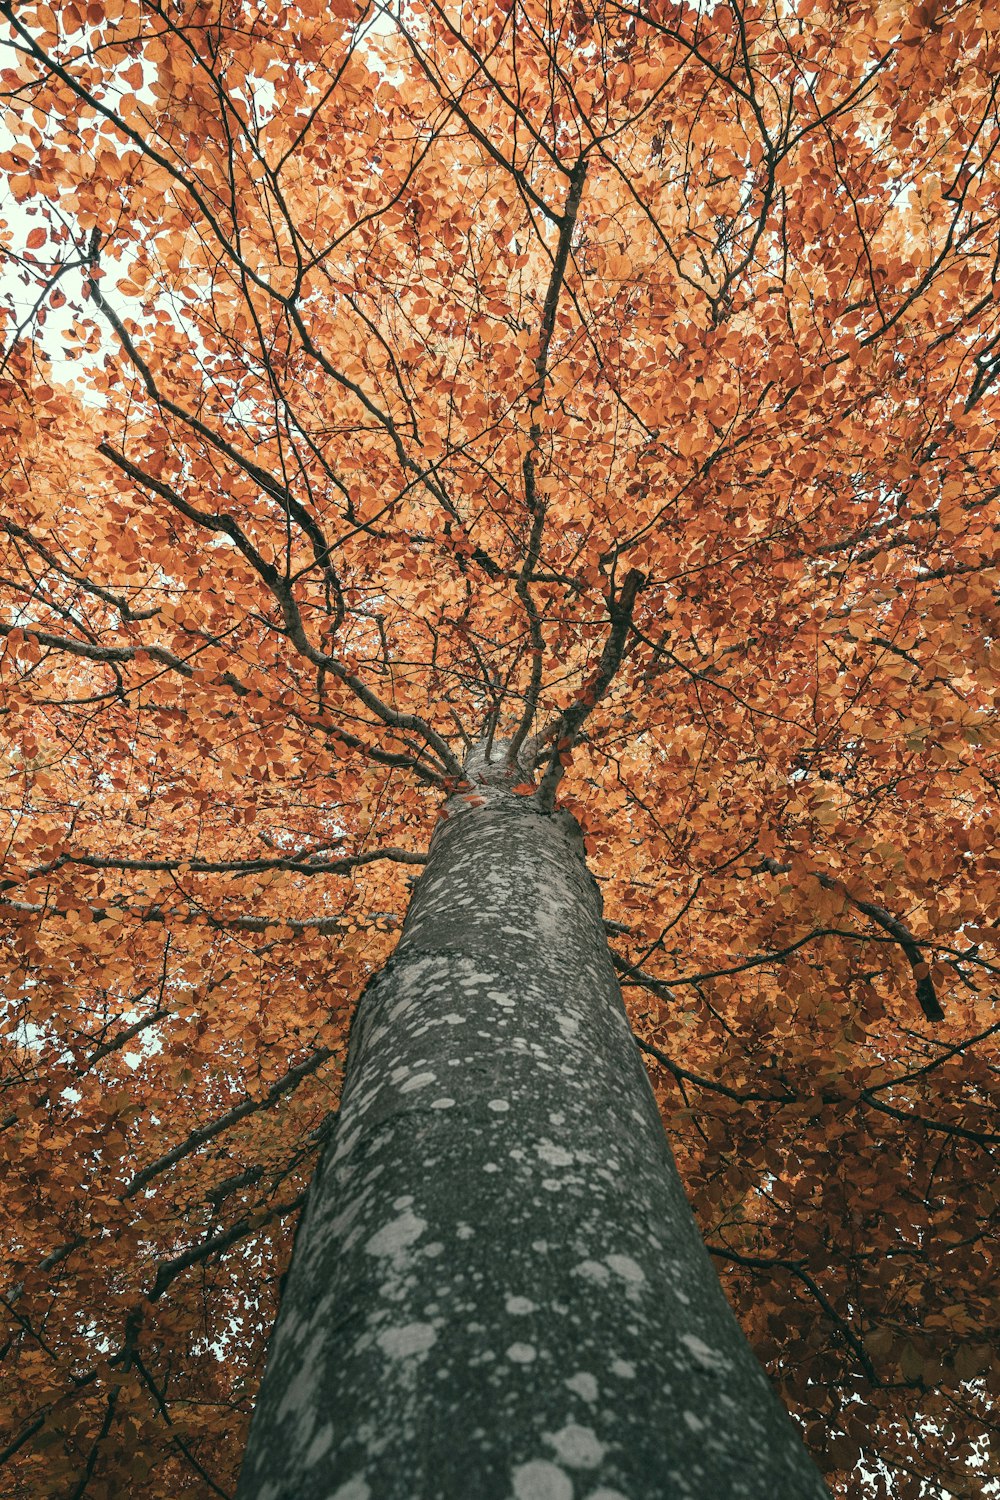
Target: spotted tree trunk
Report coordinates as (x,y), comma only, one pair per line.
(498,1291)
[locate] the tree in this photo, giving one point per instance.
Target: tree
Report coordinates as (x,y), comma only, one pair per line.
(498,1287)
(616,380)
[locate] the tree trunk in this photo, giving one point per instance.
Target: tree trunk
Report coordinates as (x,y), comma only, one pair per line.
(498,1291)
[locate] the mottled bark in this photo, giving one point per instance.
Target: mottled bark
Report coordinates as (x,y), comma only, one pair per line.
(498,1290)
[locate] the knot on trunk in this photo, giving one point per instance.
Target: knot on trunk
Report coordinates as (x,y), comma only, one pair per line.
(489,767)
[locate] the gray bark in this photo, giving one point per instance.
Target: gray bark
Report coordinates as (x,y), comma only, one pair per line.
(498,1291)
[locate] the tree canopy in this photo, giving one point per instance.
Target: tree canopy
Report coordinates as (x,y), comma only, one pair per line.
(620,377)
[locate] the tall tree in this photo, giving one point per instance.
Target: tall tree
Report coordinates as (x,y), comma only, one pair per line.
(496,1138)
(616,380)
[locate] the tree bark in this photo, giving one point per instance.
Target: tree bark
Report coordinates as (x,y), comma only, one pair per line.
(498,1291)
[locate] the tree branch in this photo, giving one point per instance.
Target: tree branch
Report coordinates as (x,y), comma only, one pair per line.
(565,729)
(926,994)
(204,1133)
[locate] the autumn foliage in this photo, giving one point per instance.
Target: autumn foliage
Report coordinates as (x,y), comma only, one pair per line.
(624,374)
